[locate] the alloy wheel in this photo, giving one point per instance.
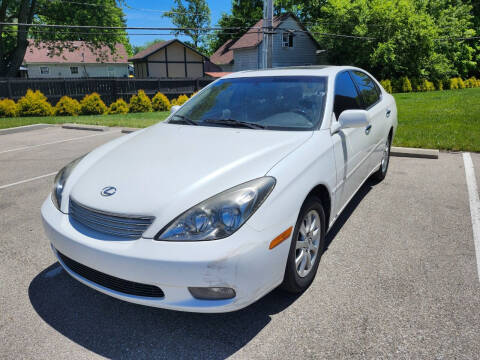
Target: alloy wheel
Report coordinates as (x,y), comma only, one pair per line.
(308,243)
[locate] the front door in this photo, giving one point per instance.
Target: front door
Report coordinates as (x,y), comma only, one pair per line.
(351,145)
(377,111)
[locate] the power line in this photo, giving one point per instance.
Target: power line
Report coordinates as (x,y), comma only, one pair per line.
(126,6)
(207,29)
(123,27)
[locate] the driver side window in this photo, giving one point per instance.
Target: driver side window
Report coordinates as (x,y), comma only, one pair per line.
(346,95)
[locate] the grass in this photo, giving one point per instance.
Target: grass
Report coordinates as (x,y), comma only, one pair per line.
(127,120)
(448,120)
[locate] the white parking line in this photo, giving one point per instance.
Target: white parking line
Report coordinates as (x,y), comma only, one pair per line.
(27,180)
(57,142)
(474,204)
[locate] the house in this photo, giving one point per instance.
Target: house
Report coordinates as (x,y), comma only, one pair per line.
(169,59)
(293,45)
(79,61)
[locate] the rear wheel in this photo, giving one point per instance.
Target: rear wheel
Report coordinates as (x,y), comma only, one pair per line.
(307,246)
(382,172)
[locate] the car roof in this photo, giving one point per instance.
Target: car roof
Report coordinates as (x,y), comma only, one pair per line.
(320,70)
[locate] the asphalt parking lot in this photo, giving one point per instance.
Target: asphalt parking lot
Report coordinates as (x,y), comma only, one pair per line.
(399,278)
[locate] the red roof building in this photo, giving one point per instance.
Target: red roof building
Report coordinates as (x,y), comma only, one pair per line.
(78,59)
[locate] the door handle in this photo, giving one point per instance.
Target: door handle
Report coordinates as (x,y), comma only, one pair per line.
(368,128)
(388,113)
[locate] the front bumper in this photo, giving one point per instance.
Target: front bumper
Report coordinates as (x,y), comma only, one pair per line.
(242,261)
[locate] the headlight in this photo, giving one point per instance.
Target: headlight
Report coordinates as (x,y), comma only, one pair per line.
(60,180)
(221,215)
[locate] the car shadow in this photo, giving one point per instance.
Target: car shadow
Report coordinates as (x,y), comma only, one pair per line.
(348,211)
(117,329)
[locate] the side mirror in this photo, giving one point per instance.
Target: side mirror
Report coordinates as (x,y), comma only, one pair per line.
(174,109)
(353,119)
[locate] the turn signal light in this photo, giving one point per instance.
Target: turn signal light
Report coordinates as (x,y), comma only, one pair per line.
(281,238)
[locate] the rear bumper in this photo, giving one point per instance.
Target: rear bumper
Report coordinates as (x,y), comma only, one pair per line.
(242,262)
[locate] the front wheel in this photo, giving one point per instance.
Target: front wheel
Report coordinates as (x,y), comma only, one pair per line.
(306,248)
(382,172)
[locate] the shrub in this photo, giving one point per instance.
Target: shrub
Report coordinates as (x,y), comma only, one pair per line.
(438,84)
(67,106)
(453,85)
(92,105)
(471,83)
(406,85)
(387,85)
(8,108)
(425,85)
(182,99)
(118,107)
(456,83)
(193,94)
(140,103)
(34,103)
(160,102)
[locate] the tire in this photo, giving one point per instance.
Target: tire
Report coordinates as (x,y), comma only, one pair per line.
(380,174)
(293,281)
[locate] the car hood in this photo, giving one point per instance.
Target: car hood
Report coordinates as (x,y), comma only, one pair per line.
(166,169)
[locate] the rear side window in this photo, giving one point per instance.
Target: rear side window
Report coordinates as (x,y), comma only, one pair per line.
(367,87)
(346,95)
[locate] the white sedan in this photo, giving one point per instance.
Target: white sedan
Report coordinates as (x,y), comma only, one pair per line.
(230,197)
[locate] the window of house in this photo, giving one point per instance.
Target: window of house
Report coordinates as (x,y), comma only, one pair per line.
(287,39)
(346,95)
(74,70)
(44,70)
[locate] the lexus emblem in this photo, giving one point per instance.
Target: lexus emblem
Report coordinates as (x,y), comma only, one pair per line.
(108,191)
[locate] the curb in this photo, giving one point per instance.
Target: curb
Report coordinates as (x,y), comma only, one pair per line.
(85,127)
(23,128)
(414,152)
(129,130)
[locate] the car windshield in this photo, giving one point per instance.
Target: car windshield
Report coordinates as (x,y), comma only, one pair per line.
(277,103)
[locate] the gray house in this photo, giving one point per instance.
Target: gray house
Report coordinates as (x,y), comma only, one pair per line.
(293,45)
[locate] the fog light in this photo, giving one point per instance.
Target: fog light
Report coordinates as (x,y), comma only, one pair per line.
(212,293)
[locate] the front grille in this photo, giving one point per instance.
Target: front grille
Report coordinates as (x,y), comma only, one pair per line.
(111,282)
(131,227)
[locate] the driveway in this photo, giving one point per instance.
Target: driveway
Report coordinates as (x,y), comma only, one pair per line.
(399,278)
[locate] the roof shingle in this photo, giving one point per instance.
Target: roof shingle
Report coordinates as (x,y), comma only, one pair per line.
(79,54)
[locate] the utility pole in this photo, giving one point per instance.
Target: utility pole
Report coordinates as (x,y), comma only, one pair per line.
(267,34)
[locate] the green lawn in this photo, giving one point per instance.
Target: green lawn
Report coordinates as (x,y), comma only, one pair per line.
(127,120)
(447,120)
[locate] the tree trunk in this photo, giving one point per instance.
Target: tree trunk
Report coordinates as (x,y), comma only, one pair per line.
(12,62)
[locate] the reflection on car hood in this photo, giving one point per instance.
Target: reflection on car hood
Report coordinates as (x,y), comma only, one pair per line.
(168,168)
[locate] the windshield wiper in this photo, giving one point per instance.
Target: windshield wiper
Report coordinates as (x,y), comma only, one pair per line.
(185,119)
(235,123)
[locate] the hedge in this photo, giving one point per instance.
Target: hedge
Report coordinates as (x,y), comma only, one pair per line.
(404,84)
(34,103)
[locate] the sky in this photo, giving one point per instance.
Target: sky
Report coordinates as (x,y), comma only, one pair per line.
(146,16)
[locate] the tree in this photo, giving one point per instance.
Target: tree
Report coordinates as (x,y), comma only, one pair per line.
(137,48)
(245,14)
(14,39)
(192,18)
(397,37)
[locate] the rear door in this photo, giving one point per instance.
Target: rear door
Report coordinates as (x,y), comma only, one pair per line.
(350,145)
(372,102)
